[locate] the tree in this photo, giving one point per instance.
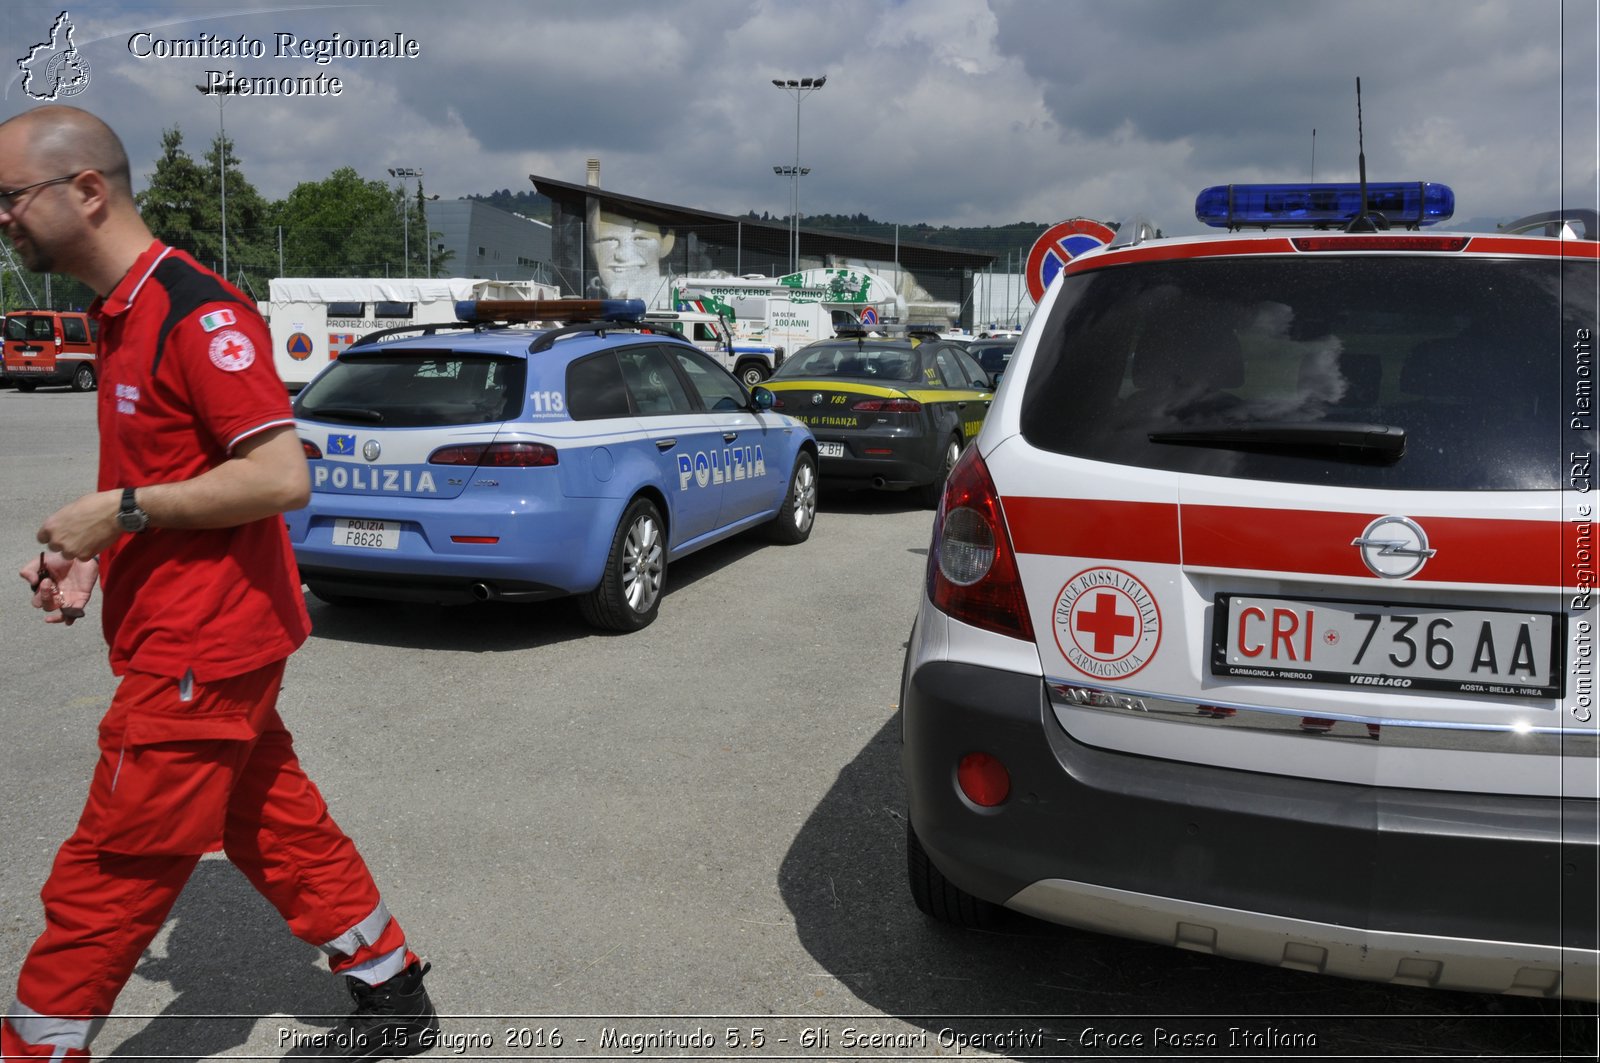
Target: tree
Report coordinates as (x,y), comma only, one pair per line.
(343,226)
(182,204)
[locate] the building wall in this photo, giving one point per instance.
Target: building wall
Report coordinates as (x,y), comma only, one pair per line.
(488,242)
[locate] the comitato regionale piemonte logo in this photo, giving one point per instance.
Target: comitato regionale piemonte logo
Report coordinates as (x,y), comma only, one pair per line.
(55,69)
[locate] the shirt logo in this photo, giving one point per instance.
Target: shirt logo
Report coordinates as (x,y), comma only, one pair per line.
(341,444)
(232,351)
(217,319)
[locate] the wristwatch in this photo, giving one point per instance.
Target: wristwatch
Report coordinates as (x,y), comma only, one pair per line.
(130,518)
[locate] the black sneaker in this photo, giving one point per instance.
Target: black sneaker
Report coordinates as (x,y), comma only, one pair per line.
(392,1020)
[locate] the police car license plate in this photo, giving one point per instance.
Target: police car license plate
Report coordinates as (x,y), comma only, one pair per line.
(1484,652)
(830,450)
(366,534)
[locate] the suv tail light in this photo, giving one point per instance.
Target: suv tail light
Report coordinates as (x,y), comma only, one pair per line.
(497,455)
(972,568)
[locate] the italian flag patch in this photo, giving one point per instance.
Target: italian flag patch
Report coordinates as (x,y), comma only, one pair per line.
(218,319)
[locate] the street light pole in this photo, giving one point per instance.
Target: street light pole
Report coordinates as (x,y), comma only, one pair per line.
(403,172)
(221,92)
(800,88)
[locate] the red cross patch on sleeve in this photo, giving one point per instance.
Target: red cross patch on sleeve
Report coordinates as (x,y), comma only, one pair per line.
(232,351)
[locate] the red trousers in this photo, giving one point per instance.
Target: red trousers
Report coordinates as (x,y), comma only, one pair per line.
(186,768)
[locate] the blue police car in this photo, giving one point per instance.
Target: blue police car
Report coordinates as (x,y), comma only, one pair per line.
(485,461)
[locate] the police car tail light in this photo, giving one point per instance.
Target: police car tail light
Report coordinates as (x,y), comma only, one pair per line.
(497,455)
(1406,203)
(313,452)
(887,406)
(983,779)
(972,569)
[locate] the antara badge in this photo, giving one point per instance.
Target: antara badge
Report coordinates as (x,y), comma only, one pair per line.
(1394,547)
(371,449)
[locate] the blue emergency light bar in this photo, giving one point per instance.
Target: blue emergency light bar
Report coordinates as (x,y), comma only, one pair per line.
(1402,203)
(569,310)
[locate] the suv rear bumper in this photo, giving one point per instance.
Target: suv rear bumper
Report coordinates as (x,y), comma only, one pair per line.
(1487,893)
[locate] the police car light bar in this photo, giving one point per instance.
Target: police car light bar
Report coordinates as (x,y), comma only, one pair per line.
(1407,203)
(571,310)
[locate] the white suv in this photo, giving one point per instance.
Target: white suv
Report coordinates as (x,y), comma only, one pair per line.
(1258,617)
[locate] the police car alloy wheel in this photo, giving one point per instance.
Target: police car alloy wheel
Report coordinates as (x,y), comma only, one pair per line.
(636,571)
(799,513)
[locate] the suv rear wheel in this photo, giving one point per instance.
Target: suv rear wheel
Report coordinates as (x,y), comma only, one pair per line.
(636,571)
(938,897)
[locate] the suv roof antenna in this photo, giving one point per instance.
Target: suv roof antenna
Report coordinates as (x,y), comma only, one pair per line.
(1366,221)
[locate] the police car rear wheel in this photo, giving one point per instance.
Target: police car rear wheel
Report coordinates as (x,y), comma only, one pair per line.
(798,513)
(932,493)
(939,898)
(636,571)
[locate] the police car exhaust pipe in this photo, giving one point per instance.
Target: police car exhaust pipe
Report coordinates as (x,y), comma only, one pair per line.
(878,481)
(483,592)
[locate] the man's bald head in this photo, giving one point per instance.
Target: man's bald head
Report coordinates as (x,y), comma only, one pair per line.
(63,140)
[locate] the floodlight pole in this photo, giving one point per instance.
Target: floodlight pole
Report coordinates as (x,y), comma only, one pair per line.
(221,92)
(800,88)
(403,172)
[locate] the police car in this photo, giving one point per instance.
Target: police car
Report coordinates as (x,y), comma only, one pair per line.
(887,413)
(483,462)
(1259,620)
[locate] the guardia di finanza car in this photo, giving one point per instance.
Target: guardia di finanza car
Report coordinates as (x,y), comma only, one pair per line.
(886,413)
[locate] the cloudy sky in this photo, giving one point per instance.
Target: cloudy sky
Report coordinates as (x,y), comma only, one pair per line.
(961,112)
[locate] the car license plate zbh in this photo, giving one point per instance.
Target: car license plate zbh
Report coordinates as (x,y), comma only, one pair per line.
(830,450)
(1485,652)
(366,534)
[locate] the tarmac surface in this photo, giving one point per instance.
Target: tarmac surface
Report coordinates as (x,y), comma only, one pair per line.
(642,846)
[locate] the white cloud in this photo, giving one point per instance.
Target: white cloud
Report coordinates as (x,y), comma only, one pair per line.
(941,111)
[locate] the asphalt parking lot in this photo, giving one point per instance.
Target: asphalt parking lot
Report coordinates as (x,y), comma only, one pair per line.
(675,834)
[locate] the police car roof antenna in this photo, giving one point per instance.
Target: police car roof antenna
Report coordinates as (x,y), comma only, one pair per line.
(1367,221)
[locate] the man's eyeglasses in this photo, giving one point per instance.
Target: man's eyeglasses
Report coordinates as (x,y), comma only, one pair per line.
(8,200)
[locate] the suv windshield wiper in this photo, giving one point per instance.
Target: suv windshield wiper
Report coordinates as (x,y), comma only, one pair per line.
(1343,440)
(346,413)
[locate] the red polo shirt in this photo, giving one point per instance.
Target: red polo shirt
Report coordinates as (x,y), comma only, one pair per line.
(186,374)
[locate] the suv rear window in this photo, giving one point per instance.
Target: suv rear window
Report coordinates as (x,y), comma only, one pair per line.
(1463,354)
(416,389)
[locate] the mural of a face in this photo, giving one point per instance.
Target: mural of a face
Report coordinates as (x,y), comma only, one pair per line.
(628,254)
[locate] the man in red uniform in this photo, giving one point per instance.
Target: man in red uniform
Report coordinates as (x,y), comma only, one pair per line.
(202,606)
